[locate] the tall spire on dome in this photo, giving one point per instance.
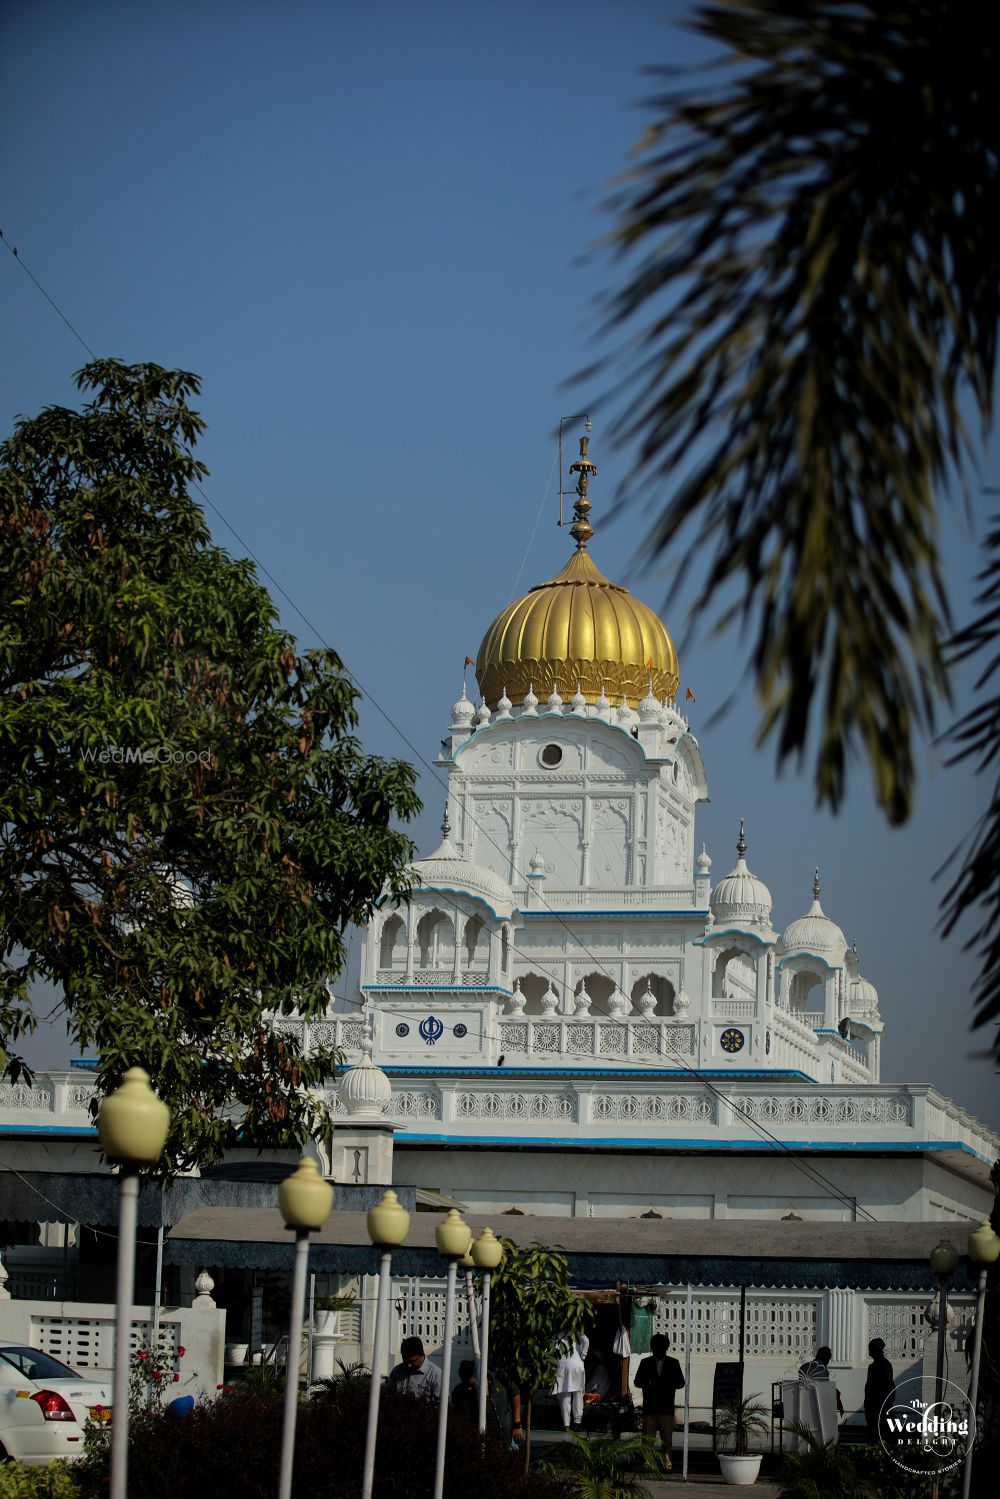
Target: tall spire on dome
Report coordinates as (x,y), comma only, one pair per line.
(445,823)
(581,530)
(816,884)
(741,842)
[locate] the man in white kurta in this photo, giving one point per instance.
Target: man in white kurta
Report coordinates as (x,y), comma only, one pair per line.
(571,1378)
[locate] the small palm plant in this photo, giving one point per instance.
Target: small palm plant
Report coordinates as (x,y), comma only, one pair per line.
(739,1420)
(825,1470)
(604,1468)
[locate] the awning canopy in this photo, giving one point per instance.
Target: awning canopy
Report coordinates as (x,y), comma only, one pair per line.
(707,1252)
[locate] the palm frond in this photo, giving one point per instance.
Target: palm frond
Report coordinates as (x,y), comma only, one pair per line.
(809,295)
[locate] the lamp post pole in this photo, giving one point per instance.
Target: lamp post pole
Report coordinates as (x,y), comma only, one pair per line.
(132,1129)
(487,1255)
(453,1238)
(984,1250)
(944,1259)
(387,1226)
(468,1264)
(304,1199)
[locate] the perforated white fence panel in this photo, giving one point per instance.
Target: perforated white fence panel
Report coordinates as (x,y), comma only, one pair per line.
(420,1302)
(89,1342)
(782,1327)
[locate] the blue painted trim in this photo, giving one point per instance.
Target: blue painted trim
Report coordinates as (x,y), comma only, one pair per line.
(436,988)
(807,952)
(731,1074)
(586,915)
(761,1147)
(469,894)
(733,931)
(48,1129)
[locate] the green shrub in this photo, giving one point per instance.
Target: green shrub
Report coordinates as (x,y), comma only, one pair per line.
(230,1448)
(55,1481)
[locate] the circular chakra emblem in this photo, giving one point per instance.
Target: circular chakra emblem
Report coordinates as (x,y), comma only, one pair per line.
(460,1030)
(402,1029)
(732,1040)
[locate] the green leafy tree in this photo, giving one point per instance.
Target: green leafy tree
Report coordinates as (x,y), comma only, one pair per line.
(809,299)
(534,1318)
(188,822)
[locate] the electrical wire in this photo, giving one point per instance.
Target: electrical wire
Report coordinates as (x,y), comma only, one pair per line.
(761,1129)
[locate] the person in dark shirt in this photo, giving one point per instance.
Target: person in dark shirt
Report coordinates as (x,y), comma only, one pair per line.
(659,1378)
(465,1401)
(880,1385)
(465,1395)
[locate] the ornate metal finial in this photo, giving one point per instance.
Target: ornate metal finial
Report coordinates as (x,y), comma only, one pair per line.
(816,885)
(445,825)
(741,843)
(581,530)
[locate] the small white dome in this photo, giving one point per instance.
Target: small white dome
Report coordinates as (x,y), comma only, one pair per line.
(463,712)
(862,997)
(445,869)
(530,705)
(603,706)
(815,933)
(627,716)
(703,862)
(578,704)
(504,705)
(741,898)
(484,715)
(365,1091)
(555,702)
(650,709)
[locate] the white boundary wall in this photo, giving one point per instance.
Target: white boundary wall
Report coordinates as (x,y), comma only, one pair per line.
(82,1334)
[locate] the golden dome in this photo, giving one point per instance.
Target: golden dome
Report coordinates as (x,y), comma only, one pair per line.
(577,629)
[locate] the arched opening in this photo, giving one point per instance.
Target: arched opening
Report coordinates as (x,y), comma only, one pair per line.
(805,992)
(391,946)
(533,986)
(435,940)
(600,989)
(662,989)
(474,939)
(734,976)
(504,949)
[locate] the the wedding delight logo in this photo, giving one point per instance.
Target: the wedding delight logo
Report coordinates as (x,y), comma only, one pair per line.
(926,1429)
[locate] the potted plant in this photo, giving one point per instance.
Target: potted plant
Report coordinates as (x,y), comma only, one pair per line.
(736,1422)
(326,1309)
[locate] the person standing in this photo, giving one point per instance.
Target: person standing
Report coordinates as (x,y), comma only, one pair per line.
(571,1377)
(880,1385)
(659,1378)
(415,1375)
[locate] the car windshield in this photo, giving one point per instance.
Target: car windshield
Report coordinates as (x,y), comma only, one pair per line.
(34,1364)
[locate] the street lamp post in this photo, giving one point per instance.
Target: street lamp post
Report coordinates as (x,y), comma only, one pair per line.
(304,1200)
(944,1259)
(487,1255)
(468,1264)
(453,1237)
(388,1222)
(984,1250)
(132,1129)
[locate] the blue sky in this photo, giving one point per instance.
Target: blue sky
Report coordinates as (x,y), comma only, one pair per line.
(370,228)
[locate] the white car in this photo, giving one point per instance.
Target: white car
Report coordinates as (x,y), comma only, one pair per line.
(44,1405)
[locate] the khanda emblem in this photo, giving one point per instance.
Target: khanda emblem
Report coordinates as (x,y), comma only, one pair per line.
(431,1029)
